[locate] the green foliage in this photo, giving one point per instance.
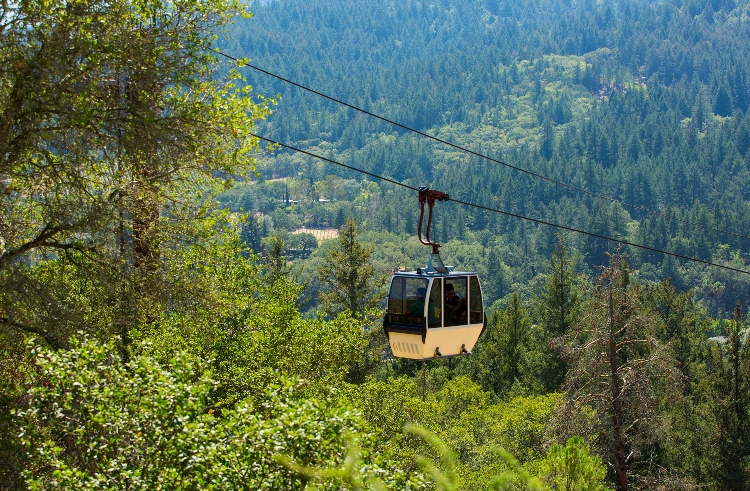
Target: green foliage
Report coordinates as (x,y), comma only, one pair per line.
(562,296)
(688,419)
(570,467)
(278,339)
(252,346)
(250,233)
(350,281)
(386,407)
(442,473)
(574,462)
(498,359)
(573,467)
(516,477)
(470,422)
(116,121)
(98,422)
(731,392)
(217,306)
(684,325)
(353,476)
(13,383)
(558,309)
(304,241)
(605,97)
(351,284)
(274,258)
(110,425)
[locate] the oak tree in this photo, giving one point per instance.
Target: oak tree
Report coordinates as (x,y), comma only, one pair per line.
(112,119)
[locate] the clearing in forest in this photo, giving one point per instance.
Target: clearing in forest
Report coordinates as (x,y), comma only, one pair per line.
(319,233)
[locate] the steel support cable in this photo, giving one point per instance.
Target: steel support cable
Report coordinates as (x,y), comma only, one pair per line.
(506,213)
(320,157)
(243,63)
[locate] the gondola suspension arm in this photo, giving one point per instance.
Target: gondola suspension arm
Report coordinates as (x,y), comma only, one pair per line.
(429,196)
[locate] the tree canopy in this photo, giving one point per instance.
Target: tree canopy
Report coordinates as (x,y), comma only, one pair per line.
(181,308)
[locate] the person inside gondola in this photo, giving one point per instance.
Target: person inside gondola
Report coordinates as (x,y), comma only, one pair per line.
(455,307)
(417,308)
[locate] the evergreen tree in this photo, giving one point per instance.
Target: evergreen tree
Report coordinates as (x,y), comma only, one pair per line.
(251,233)
(723,104)
(498,359)
(572,467)
(275,260)
(731,394)
(349,279)
(684,323)
(350,283)
(547,145)
(558,308)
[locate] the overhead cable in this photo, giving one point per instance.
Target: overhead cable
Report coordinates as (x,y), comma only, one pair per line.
(245,63)
(506,213)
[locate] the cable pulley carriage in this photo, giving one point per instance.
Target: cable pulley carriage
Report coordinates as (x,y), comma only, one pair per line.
(433,312)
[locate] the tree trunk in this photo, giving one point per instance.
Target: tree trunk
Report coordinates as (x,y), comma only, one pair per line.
(618,442)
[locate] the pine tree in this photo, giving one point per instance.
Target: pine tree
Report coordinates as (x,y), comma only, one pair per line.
(350,283)
(723,104)
(497,362)
(275,259)
(547,145)
(349,279)
(558,309)
(731,387)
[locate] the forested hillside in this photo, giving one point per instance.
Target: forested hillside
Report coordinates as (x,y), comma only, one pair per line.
(640,102)
(183,306)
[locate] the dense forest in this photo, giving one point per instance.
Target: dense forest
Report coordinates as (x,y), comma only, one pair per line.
(637,107)
(184,306)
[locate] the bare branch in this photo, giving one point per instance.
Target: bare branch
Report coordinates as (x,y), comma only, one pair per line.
(44,334)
